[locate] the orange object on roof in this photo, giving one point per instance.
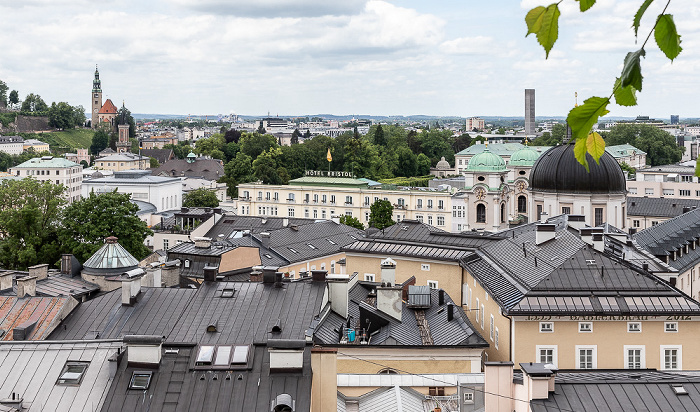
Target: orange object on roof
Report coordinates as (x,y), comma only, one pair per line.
(108,108)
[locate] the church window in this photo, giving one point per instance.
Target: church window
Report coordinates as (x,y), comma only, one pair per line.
(522,204)
(481,213)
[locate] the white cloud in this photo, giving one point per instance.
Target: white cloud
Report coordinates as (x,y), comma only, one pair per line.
(468,45)
(275,8)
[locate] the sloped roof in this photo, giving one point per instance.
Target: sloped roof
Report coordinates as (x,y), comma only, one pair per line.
(458,332)
(108,107)
(659,206)
(47,312)
(43,163)
(56,284)
(161,155)
(210,169)
(672,236)
(111,258)
(622,150)
(229,225)
(31,369)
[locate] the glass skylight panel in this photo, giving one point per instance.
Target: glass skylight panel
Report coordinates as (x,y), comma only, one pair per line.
(240,355)
(206,354)
(140,380)
(72,373)
(223,354)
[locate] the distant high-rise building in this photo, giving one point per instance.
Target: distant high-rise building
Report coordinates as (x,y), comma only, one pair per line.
(475,123)
(674,119)
(530,111)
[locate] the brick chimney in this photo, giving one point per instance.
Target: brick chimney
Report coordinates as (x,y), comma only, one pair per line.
(39,271)
(202,242)
(170,273)
(26,286)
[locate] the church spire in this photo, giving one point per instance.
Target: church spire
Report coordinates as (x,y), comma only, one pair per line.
(96,84)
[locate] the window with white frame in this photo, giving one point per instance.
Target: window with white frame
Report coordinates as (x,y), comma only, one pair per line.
(165,244)
(430,220)
(332,267)
(585,327)
(369,277)
(546,354)
(306,213)
(671,327)
(671,357)
(468,398)
(433,284)
(632,190)
(586,357)
(477,308)
(290,212)
(634,357)
(491,328)
(634,327)
(425,266)
(483,312)
(649,191)
(668,192)
(546,327)
(495,341)
(441,220)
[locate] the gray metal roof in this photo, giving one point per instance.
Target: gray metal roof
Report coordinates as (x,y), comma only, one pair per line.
(56,284)
(155,313)
(458,332)
(614,391)
(230,224)
(659,206)
(671,236)
(175,387)
(32,370)
(210,169)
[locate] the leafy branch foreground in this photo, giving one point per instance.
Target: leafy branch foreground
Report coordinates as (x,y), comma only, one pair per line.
(544,23)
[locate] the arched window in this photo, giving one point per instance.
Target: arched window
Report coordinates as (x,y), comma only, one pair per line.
(388,371)
(481,213)
(503,212)
(522,204)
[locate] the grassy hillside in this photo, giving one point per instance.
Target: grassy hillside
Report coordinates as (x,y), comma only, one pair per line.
(66,141)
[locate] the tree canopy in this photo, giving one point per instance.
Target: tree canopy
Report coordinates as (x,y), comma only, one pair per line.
(90,220)
(100,141)
(351,221)
(64,116)
(29,218)
(380,214)
(661,148)
(200,198)
(34,104)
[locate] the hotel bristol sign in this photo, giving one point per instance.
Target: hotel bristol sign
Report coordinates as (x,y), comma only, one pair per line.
(329,173)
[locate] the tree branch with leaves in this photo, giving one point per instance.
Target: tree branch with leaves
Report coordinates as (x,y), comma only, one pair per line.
(543,22)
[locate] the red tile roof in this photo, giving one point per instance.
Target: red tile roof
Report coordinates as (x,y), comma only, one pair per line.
(108,108)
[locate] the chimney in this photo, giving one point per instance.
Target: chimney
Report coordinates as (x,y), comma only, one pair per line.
(265,239)
(598,243)
(389,300)
(324,379)
(202,242)
(26,286)
(39,271)
(268,274)
(543,217)
(587,234)
(338,288)
(545,232)
(285,222)
(498,386)
(450,312)
(335,219)
(184,210)
(278,279)
(318,275)
(143,350)
(210,273)
(256,274)
(14,402)
(388,266)
(6,280)
(632,230)
(645,266)
(341,265)
(170,273)
(539,379)
(441,297)
(577,221)
(131,286)
(217,211)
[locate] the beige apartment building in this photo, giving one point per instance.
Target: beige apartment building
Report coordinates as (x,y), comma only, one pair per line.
(56,170)
(321,197)
(123,161)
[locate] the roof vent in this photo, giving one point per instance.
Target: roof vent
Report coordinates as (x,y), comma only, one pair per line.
(590,262)
(679,389)
(404,227)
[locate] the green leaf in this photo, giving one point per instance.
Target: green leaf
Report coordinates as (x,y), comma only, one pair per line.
(624,96)
(580,151)
(582,118)
(549,30)
(632,70)
(586,4)
(595,145)
(667,37)
(638,16)
(533,19)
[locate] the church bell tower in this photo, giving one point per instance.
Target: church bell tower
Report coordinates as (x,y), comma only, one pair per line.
(96,98)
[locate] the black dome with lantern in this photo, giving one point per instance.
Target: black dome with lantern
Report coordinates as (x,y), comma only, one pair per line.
(557,170)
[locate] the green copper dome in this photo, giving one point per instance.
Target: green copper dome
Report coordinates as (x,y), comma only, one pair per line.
(524,157)
(486,162)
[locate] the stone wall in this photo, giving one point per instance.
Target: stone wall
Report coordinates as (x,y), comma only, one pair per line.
(28,124)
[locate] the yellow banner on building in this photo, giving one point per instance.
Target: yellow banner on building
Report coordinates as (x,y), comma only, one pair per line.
(328,156)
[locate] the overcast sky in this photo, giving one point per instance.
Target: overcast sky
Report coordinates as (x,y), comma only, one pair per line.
(396,57)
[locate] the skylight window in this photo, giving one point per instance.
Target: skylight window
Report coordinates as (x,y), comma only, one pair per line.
(140,380)
(240,355)
(222,356)
(205,356)
(331,242)
(73,373)
(227,293)
(311,246)
(293,251)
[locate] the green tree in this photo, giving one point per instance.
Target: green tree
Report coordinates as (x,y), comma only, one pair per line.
(265,167)
(211,146)
(631,171)
(61,116)
(379,138)
(34,104)
(295,136)
(380,214)
(14,98)
(100,141)
(407,162)
(238,170)
(254,144)
(200,198)
(661,148)
(551,139)
(232,136)
(90,220)
(423,164)
(462,142)
(154,163)
(436,144)
(697,167)
(351,221)
(78,115)
(3,92)
(29,217)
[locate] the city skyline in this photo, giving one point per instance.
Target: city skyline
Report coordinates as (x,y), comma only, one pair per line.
(366,57)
